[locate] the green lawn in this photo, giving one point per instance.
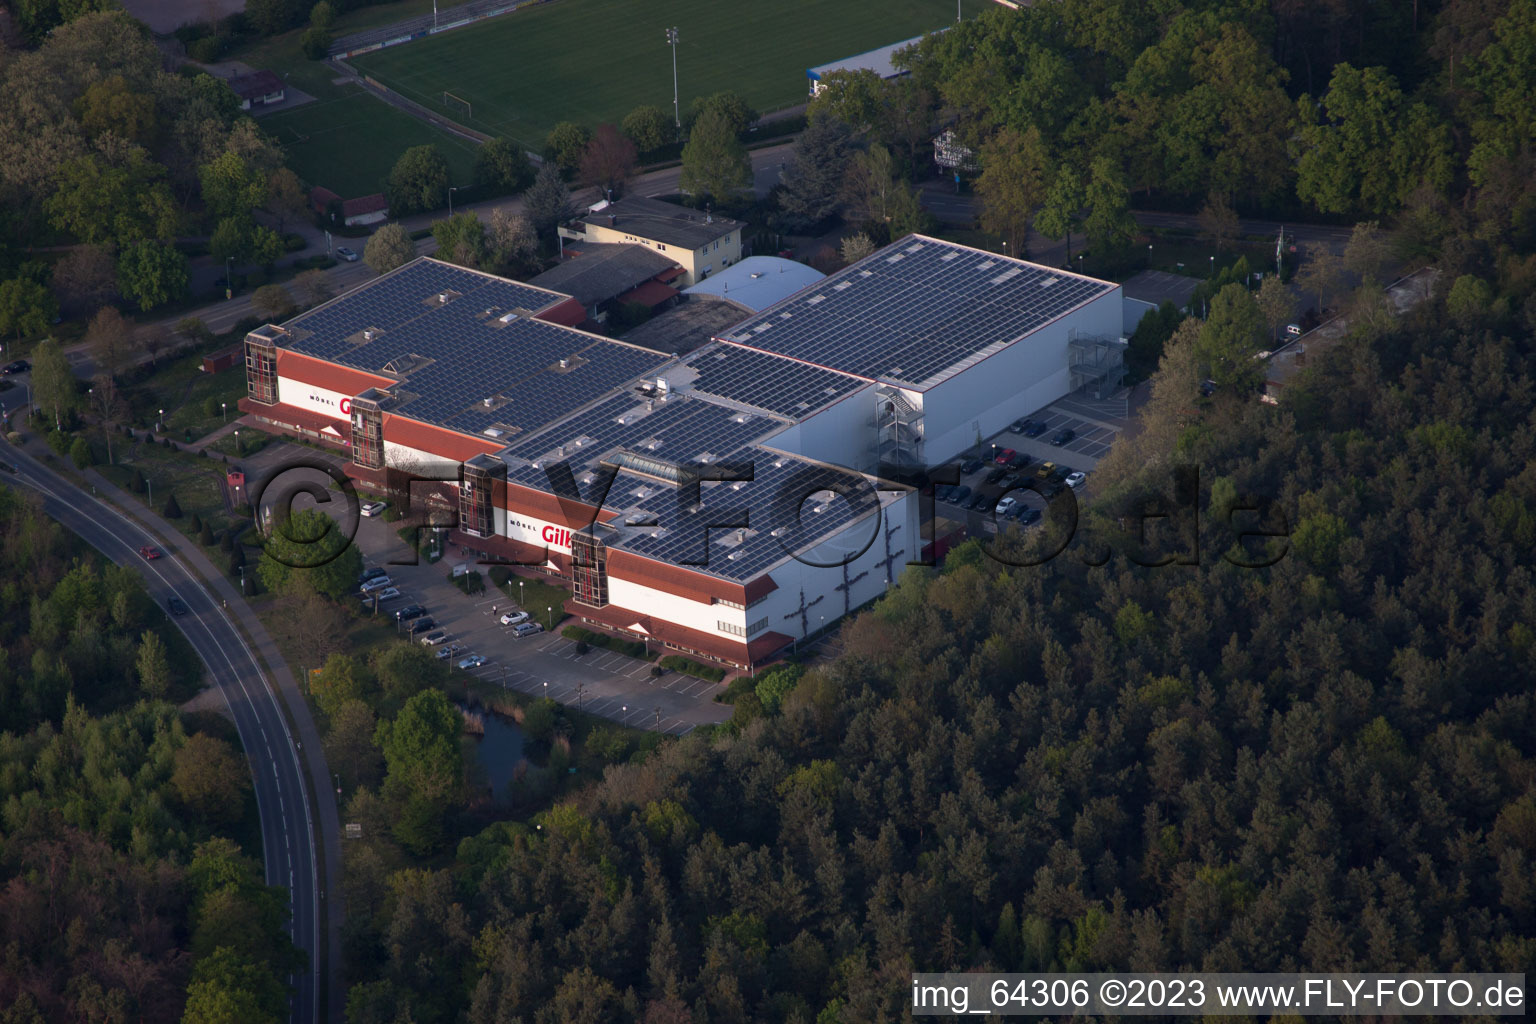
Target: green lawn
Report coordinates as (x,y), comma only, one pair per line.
(350,142)
(594,60)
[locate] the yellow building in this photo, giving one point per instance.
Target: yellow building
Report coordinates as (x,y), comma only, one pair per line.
(697,241)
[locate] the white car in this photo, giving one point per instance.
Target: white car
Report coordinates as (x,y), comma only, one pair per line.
(377,583)
(373,508)
(513,618)
(444,653)
(342,252)
(1005,506)
(473,661)
(1075,480)
(436,637)
(387,594)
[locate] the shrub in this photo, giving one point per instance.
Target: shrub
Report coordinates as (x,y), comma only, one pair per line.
(227,540)
(205,536)
(582,648)
(693,668)
(165,442)
(59,441)
(500,575)
(207,49)
(172,508)
(210,406)
(136,482)
(315,42)
(80,453)
(656,671)
(196,523)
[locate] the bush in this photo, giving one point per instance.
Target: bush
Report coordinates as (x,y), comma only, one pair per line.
(585,638)
(196,523)
(207,49)
(205,536)
(59,441)
(293,242)
(693,668)
(583,648)
(136,482)
(172,508)
(80,453)
(165,442)
(657,671)
(227,540)
(500,575)
(210,406)
(194,328)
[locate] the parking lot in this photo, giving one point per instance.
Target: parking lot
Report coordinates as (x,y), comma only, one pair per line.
(604,683)
(1096,422)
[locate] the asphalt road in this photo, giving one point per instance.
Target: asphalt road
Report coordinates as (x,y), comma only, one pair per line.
(287,825)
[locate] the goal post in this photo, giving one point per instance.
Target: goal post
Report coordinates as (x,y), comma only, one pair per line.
(457,104)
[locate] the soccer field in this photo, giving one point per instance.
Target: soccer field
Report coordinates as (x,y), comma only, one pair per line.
(592,61)
(350,144)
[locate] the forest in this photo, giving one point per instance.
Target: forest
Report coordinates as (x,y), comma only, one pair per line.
(130,884)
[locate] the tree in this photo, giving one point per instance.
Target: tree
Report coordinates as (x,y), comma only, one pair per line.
(715,163)
(110,338)
(856,247)
(565,145)
(421,749)
(337,683)
(349,746)
(153,666)
(26,307)
(110,407)
(112,105)
(1276,304)
(856,98)
(269,17)
(151,275)
(231,239)
(503,166)
(1109,226)
(812,183)
(53,381)
(172,509)
(210,778)
(231,186)
(418,181)
(389,248)
(315,42)
(1367,251)
(309,545)
(285,197)
(512,241)
(1013,184)
(648,127)
(608,161)
(1063,207)
(1229,340)
(460,239)
(272,302)
(266,246)
(1367,147)
(1320,273)
(1219,222)
(547,201)
(314,625)
(84,279)
(729,105)
(314,286)
(103,203)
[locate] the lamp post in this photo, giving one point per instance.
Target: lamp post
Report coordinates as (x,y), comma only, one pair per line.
(677,119)
(151,485)
(242,581)
(551,611)
(519,593)
(238,450)
(451,190)
(229,280)
(1213,266)
(225,407)
(160,425)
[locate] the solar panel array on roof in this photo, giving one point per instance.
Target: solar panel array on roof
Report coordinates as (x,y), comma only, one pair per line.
(916,312)
(770,382)
(452,335)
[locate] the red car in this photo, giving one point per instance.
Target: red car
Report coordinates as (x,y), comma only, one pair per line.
(149,553)
(1005,456)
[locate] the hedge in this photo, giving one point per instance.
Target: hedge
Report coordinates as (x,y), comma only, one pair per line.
(633,648)
(688,666)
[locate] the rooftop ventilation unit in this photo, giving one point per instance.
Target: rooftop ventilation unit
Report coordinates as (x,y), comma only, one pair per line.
(507,318)
(565,364)
(442,298)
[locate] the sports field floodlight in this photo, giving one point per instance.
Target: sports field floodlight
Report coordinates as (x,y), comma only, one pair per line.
(677,119)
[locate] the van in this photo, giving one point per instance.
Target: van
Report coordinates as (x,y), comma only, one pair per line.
(1293,330)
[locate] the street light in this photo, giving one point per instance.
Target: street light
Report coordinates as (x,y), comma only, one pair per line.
(519,593)
(161,425)
(238,450)
(451,190)
(551,611)
(229,281)
(225,407)
(676,116)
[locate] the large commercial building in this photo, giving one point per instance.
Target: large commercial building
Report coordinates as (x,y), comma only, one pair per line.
(722,503)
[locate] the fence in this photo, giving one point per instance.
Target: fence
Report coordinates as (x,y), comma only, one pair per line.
(421,27)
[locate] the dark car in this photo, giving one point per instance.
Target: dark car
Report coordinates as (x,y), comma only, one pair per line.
(1062,436)
(422,625)
(409,612)
(980,503)
(1061,473)
(1009,481)
(372,574)
(997,474)
(1033,428)
(1017,426)
(1019,460)
(176,605)
(941,492)
(1028,515)
(970,465)
(19,366)
(959,494)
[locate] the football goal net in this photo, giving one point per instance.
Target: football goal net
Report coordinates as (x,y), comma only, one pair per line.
(456,105)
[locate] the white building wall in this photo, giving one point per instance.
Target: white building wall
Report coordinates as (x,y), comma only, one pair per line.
(1017,381)
(426,465)
(842,434)
(335,404)
(1135,309)
(682,611)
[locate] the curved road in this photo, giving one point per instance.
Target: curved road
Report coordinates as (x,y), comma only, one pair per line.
(287,825)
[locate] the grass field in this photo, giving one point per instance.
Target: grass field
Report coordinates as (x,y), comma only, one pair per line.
(592,61)
(348,144)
